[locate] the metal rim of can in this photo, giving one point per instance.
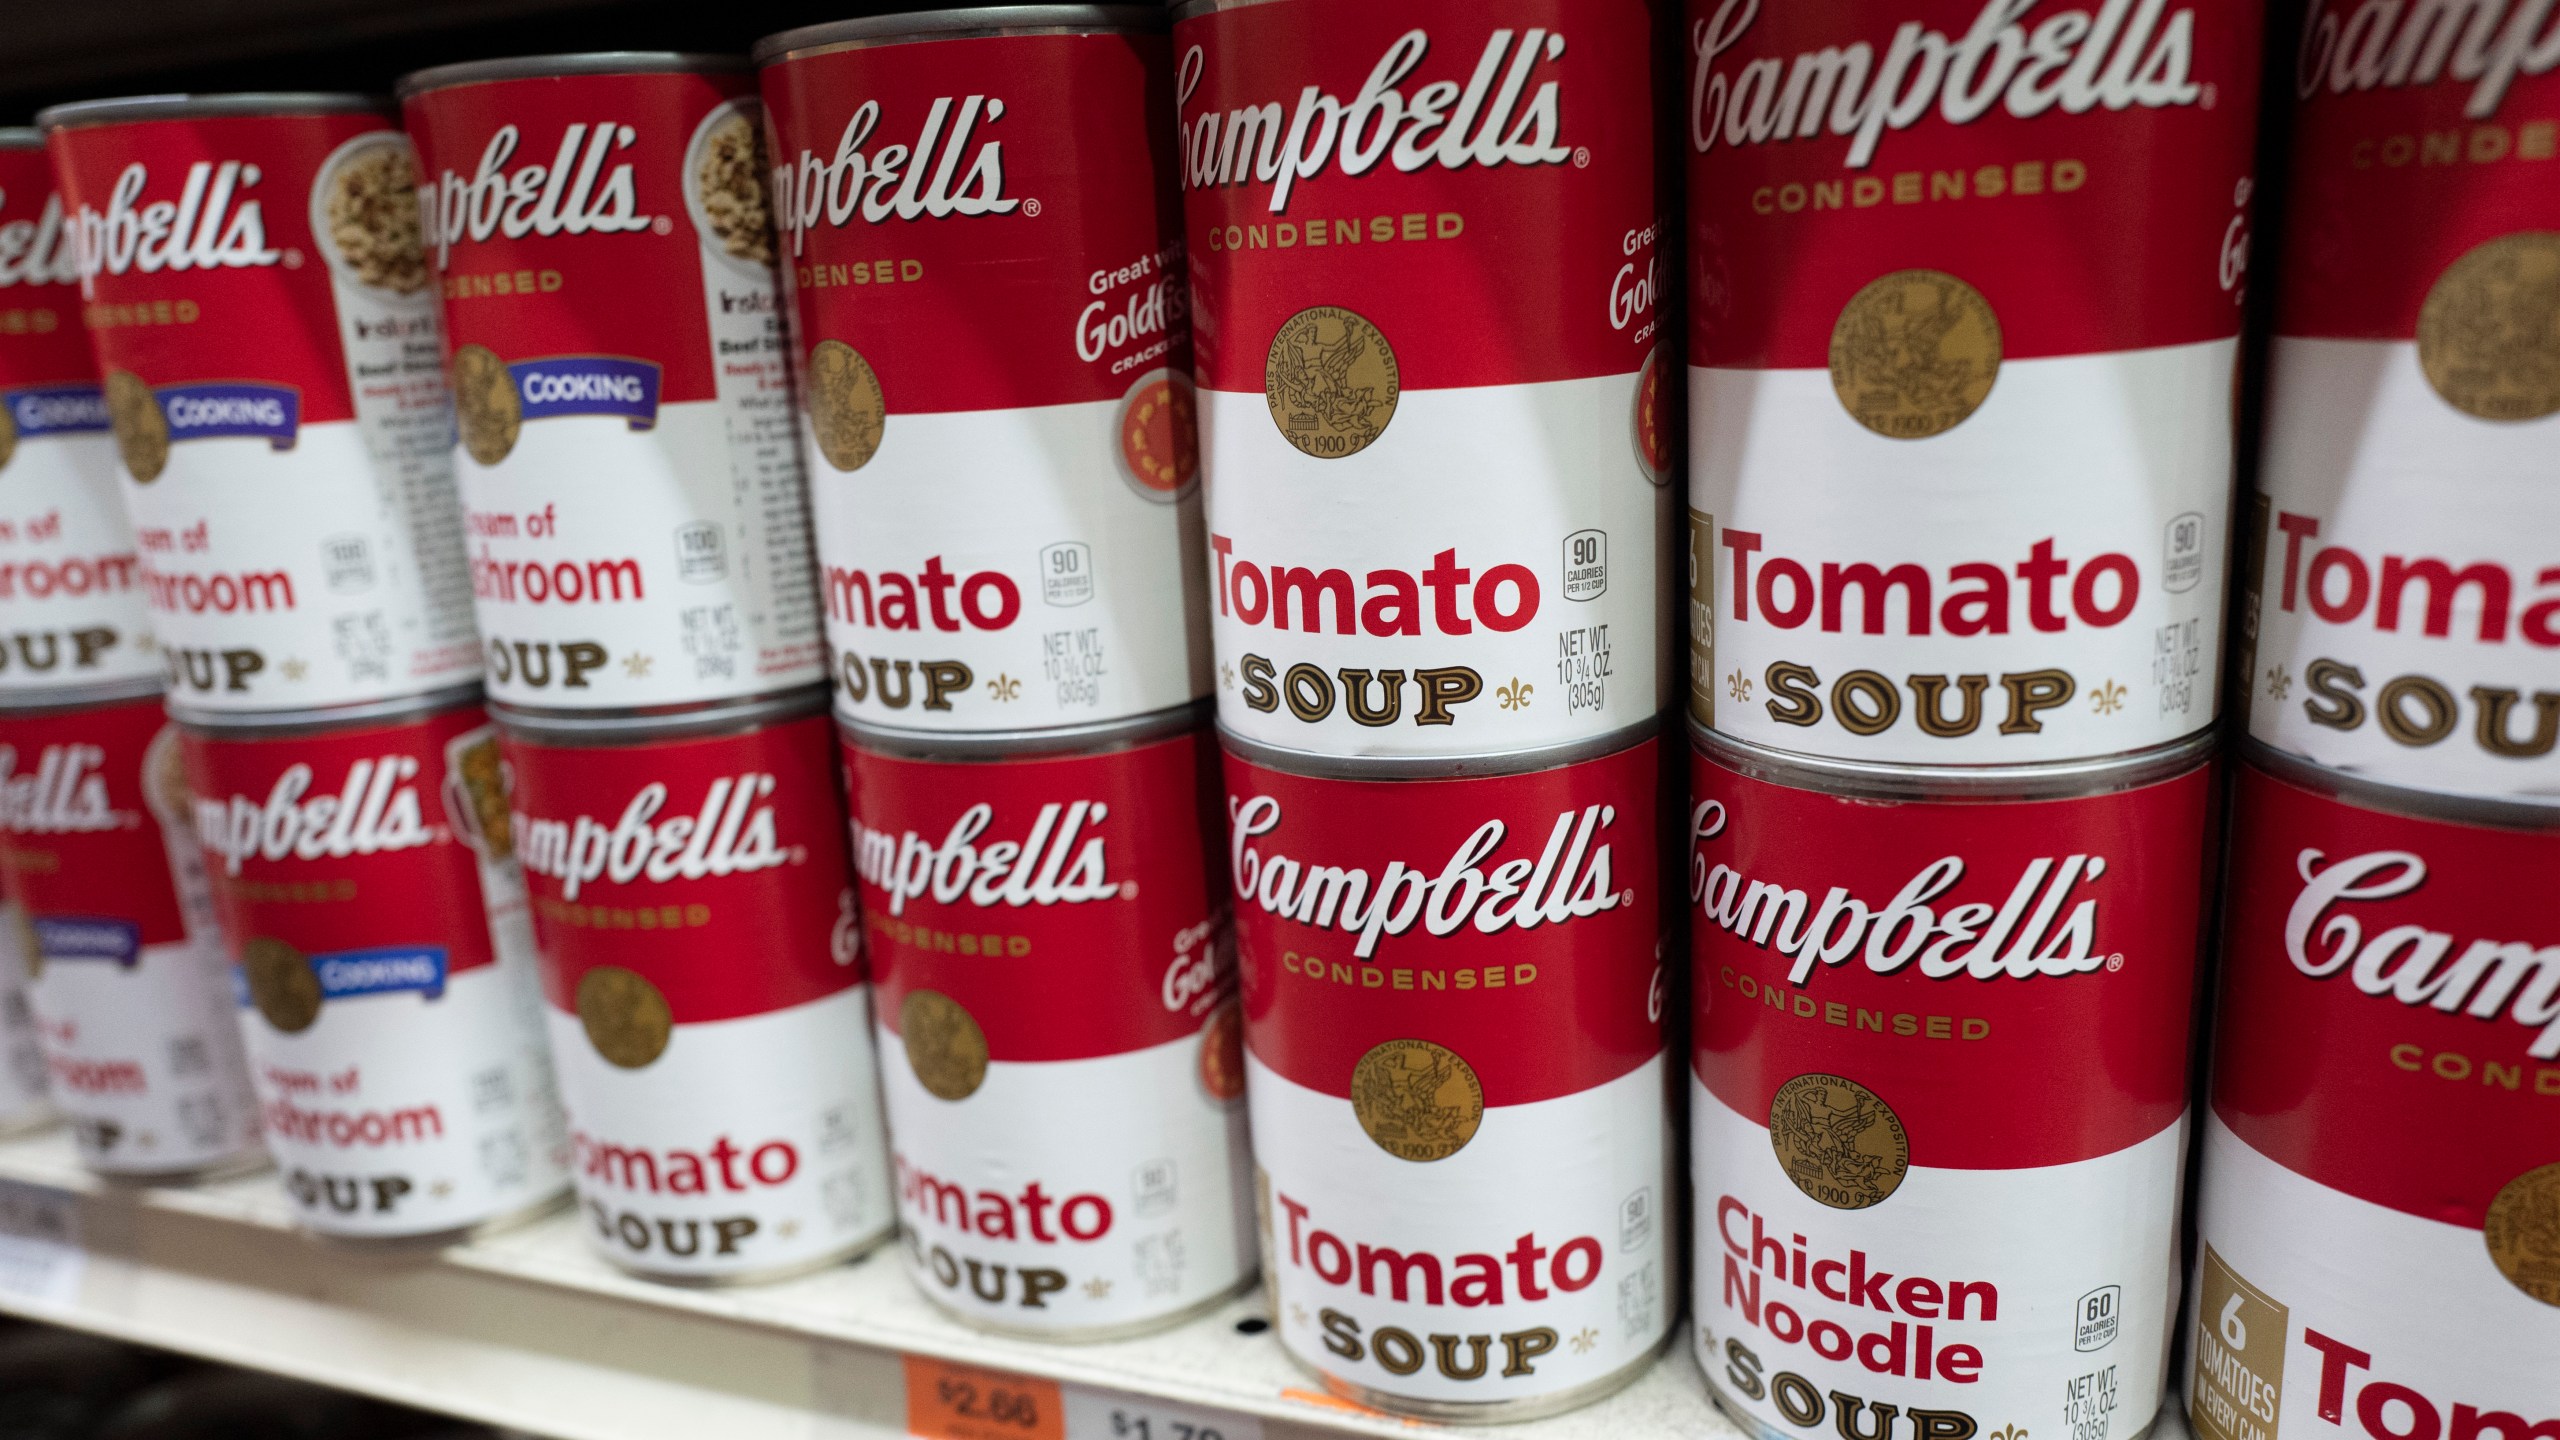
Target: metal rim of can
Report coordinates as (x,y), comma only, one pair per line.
(2402,800)
(1433,767)
(545,67)
(396,1244)
(21,137)
(873,31)
(602,729)
(1492,1412)
(35,704)
(789,1269)
(1959,784)
(1192,9)
(979,747)
(277,724)
(79,114)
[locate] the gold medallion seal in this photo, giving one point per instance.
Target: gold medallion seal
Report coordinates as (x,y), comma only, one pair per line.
(1332,382)
(2523,1231)
(1222,1052)
(1837,1141)
(142,432)
(1417,1100)
(484,404)
(8,436)
(282,984)
(2489,333)
(1914,353)
(625,1016)
(945,1047)
(846,406)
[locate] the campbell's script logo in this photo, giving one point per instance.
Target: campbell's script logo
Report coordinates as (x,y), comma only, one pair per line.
(578,193)
(66,794)
(1506,112)
(1569,879)
(212,225)
(2029,933)
(2124,53)
(1058,863)
(38,251)
(374,811)
(2354,45)
(946,170)
(2411,963)
(732,834)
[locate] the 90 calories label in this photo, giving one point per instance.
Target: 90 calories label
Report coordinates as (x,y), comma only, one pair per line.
(291,497)
(983,256)
(638,530)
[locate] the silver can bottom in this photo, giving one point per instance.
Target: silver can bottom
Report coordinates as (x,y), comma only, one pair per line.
(248,1162)
(426,1242)
(1495,1412)
(1090,1334)
(827,1260)
(38,1116)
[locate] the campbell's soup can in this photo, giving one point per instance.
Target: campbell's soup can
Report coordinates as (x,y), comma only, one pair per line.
(1938,1111)
(2379,1223)
(1429,259)
(71,608)
(1454,998)
(981,235)
(132,1001)
(2401,585)
(693,905)
(23,1105)
(258,302)
(638,529)
(364,876)
(1965,308)
(1062,1053)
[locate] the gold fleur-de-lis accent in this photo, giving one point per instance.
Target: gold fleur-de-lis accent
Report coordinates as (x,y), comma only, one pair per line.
(1298,1315)
(1515,696)
(295,669)
(1584,1339)
(1005,687)
(1227,677)
(2278,682)
(1097,1287)
(2108,698)
(636,665)
(2009,1432)
(1738,685)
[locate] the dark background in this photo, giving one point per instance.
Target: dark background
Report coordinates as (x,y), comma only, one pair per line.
(56,50)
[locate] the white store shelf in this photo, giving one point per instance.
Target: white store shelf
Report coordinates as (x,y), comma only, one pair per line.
(526,1329)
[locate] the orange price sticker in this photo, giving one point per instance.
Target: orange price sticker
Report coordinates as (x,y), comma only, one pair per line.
(960,1402)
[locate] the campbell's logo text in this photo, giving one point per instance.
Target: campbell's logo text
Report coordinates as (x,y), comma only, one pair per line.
(213,224)
(2350,46)
(2121,54)
(66,794)
(950,168)
(732,833)
(1059,861)
(2409,962)
(584,190)
(38,251)
(374,811)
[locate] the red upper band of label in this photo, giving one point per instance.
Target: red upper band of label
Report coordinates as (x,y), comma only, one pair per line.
(2086,166)
(41,340)
(84,797)
(1064,903)
(356,839)
(2390,1018)
(1479,179)
(1515,920)
(714,868)
(2016,981)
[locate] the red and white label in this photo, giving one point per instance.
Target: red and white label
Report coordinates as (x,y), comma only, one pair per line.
(712,873)
(2378,1177)
(131,999)
(1478,961)
(1960,455)
(638,528)
(2403,582)
(22,1068)
(1426,253)
(71,610)
(261,319)
(406,1082)
(1869,981)
(1065,906)
(991,227)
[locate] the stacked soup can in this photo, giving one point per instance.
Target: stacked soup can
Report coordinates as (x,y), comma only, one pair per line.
(979,234)
(328,899)
(637,528)
(1965,307)
(1428,250)
(2379,1224)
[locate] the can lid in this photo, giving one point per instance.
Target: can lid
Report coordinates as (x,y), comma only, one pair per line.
(966,747)
(1438,767)
(541,67)
(78,697)
(2346,787)
(1958,784)
(21,137)
(132,108)
(959,25)
(252,724)
(664,722)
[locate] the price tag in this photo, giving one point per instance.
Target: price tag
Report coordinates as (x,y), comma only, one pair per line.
(960,1402)
(40,1255)
(1111,1415)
